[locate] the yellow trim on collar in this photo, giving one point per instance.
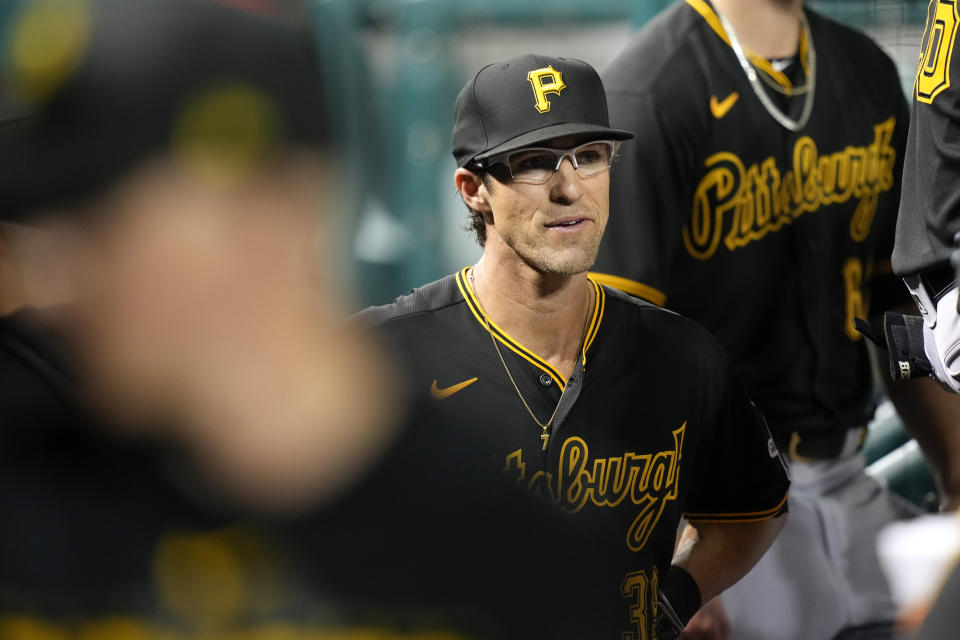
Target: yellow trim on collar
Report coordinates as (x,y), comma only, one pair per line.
(707,13)
(632,287)
(600,304)
(471,298)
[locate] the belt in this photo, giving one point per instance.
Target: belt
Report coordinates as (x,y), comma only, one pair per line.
(827,444)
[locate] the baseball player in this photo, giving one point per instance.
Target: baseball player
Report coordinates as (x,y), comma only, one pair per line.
(928,220)
(759,198)
(618,412)
(926,237)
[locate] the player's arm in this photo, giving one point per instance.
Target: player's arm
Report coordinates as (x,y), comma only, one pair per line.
(717,555)
(931,414)
(736,504)
(929,411)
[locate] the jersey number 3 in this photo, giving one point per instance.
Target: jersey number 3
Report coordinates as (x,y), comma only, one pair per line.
(933,72)
(642,592)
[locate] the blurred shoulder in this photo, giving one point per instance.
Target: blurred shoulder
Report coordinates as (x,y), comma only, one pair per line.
(422,301)
(36,384)
(851,46)
(659,54)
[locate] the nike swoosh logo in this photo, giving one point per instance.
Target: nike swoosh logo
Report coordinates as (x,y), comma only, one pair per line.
(719,108)
(441,394)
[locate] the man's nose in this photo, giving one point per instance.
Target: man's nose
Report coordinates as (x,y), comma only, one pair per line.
(566,185)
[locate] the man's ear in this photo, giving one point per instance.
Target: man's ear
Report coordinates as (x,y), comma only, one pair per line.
(472,190)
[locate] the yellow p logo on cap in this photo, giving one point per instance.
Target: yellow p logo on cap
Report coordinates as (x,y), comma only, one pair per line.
(545,81)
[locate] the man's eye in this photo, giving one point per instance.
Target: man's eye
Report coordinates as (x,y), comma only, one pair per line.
(536,162)
(589,157)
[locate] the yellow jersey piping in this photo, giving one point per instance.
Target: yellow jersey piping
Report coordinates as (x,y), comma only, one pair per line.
(634,288)
(468,294)
(804,45)
(708,14)
(498,333)
(754,516)
(598,309)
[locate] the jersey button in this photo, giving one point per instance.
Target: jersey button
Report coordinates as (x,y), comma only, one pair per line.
(545,380)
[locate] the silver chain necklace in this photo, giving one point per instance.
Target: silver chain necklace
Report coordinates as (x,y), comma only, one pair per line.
(778,115)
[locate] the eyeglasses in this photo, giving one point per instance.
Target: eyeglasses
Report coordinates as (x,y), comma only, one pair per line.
(536,165)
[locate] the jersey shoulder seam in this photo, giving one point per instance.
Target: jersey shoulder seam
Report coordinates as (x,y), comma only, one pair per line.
(626,298)
(429,298)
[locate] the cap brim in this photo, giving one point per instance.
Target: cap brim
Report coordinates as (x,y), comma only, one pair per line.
(554,131)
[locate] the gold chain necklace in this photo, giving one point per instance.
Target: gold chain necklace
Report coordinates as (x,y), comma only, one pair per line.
(545,435)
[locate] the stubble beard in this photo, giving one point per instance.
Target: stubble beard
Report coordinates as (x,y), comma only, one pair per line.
(565,261)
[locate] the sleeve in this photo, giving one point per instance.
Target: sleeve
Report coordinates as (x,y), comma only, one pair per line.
(645,191)
(887,291)
(739,474)
(930,207)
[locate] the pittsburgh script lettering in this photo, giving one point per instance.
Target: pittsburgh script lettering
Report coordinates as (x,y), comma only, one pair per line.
(646,481)
(740,205)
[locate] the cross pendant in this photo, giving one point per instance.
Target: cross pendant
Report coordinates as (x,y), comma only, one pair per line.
(546,439)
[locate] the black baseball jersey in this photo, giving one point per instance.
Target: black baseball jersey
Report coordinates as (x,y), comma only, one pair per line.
(651,424)
(103,537)
(930,204)
(774,241)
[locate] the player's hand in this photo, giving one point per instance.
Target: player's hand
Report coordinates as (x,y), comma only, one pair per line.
(710,623)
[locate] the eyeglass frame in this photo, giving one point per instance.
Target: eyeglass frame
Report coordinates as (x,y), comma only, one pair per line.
(503,159)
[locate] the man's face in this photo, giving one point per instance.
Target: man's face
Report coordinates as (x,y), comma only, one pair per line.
(179,271)
(554,227)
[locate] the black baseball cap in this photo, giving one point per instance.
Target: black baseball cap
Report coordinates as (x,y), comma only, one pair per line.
(136,79)
(527,100)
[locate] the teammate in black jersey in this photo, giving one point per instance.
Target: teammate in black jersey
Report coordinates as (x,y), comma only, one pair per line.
(759,199)
(926,239)
(616,411)
(929,222)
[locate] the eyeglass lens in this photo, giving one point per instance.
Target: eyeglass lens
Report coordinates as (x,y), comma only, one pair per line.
(539,164)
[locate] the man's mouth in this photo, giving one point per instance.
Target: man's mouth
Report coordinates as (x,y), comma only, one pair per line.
(565,223)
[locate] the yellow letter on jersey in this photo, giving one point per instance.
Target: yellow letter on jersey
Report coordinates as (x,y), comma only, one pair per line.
(544,81)
(933,72)
(853,281)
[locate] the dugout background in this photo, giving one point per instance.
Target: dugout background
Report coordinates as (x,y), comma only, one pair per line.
(398,65)
(419,53)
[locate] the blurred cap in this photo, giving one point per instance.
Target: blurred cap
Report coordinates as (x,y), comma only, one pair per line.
(525,101)
(108,84)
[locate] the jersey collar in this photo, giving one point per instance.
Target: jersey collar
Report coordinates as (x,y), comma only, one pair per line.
(709,14)
(463,282)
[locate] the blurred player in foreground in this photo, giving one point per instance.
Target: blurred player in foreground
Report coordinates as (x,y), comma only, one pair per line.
(759,199)
(614,410)
(192,444)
